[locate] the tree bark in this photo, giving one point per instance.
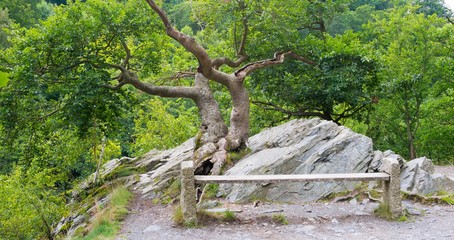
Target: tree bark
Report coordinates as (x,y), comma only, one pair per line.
(239,117)
(213,127)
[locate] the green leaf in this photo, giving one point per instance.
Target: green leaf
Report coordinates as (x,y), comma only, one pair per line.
(3,79)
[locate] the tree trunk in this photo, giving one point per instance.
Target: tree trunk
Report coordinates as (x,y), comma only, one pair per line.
(410,133)
(239,117)
(210,151)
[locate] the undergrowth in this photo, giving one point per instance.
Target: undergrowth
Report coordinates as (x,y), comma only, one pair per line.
(106,221)
(280,218)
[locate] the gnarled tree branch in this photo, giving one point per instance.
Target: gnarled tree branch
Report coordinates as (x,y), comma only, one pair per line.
(241,52)
(128,54)
(218,62)
(129,77)
(279,58)
(187,42)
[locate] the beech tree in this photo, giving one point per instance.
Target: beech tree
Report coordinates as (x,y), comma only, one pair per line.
(215,138)
(87,50)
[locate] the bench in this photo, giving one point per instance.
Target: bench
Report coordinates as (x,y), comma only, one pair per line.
(390,175)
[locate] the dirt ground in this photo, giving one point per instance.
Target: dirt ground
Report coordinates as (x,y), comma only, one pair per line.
(341,220)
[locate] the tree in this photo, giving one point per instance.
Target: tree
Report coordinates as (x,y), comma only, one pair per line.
(116,40)
(341,85)
(416,57)
(29,207)
(26,12)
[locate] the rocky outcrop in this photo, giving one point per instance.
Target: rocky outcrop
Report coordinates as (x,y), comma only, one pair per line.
(162,166)
(301,147)
(418,177)
(298,147)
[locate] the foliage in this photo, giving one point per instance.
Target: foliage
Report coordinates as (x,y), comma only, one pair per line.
(210,191)
(30,206)
(341,86)
(413,49)
(3,79)
(107,220)
(229,216)
(205,217)
(163,124)
(26,12)
(383,211)
(280,218)
(177,216)
(383,68)
(5,23)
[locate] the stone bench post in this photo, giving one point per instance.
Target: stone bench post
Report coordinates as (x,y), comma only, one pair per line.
(188,194)
(391,188)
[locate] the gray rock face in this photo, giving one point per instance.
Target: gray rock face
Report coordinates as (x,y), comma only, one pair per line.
(301,147)
(418,177)
(163,166)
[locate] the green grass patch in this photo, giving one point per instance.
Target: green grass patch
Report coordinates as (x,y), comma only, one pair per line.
(236,156)
(106,222)
(177,216)
(171,193)
(440,198)
(383,211)
(448,199)
(205,217)
(229,216)
(280,218)
(211,190)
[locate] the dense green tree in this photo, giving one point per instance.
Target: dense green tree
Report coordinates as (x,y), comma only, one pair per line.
(29,205)
(163,125)
(26,12)
(413,49)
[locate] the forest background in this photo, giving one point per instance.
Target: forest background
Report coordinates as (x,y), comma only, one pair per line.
(383,68)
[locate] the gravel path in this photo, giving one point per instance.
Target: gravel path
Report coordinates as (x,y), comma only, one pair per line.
(342,220)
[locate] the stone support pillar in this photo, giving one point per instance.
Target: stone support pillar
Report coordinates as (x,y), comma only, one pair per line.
(391,189)
(188,194)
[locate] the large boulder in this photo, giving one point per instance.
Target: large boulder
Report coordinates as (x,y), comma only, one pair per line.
(418,177)
(301,147)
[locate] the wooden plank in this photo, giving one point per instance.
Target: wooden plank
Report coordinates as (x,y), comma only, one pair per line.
(292,178)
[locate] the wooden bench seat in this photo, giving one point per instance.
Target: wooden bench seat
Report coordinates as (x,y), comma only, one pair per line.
(291,178)
(390,176)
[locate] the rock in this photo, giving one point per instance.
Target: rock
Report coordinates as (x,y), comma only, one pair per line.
(209,204)
(301,147)
(222,210)
(392,155)
(418,177)
(164,166)
(423,163)
(375,164)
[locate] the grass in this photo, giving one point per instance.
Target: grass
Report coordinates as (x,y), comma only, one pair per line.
(172,192)
(448,199)
(203,217)
(280,218)
(229,216)
(210,191)
(235,156)
(177,216)
(439,197)
(383,211)
(106,222)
